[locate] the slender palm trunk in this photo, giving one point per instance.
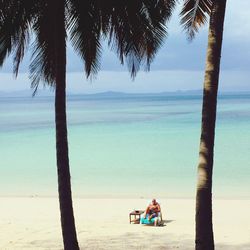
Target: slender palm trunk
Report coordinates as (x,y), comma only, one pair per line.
(64,185)
(204,227)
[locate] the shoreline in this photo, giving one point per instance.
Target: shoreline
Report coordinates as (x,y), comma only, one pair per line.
(124,197)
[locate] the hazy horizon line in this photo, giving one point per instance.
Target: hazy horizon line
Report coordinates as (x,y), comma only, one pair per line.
(48,92)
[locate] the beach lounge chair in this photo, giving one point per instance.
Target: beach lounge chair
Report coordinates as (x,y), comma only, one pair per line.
(156,220)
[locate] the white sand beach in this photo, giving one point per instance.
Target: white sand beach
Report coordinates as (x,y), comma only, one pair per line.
(33,223)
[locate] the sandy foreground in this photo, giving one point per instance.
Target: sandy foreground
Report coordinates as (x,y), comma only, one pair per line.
(33,223)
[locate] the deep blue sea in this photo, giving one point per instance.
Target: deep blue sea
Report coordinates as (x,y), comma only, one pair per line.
(124,145)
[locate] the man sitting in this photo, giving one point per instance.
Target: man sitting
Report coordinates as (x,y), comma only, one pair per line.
(152,213)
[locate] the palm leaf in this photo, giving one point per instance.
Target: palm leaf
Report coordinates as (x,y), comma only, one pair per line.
(15,19)
(85,32)
(43,65)
(137,30)
(194,14)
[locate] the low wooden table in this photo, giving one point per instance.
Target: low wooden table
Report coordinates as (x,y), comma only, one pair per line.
(137,215)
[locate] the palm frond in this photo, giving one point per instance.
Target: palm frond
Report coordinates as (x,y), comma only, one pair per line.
(85,32)
(43,65)
(194,14)
(137,30)
(15,19)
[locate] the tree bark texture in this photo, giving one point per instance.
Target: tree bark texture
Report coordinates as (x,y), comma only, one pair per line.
(204,227)
(63,169)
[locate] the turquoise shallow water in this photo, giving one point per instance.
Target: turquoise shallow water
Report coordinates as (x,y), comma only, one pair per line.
(139,146)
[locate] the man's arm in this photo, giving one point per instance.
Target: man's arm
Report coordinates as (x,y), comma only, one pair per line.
(158,207)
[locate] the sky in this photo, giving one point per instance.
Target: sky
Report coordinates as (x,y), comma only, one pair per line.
(178,65)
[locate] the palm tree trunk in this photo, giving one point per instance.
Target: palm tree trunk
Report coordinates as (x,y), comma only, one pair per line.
(204,227)
(64,185)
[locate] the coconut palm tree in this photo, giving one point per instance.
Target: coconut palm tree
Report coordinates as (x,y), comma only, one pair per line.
(134,28)
(194,15)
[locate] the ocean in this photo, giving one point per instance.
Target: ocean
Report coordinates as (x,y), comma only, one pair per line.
(124,145)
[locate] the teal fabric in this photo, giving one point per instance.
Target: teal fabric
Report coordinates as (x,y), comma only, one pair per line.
(147,221)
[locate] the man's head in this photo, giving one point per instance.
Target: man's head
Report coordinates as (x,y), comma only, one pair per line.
(154,202)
